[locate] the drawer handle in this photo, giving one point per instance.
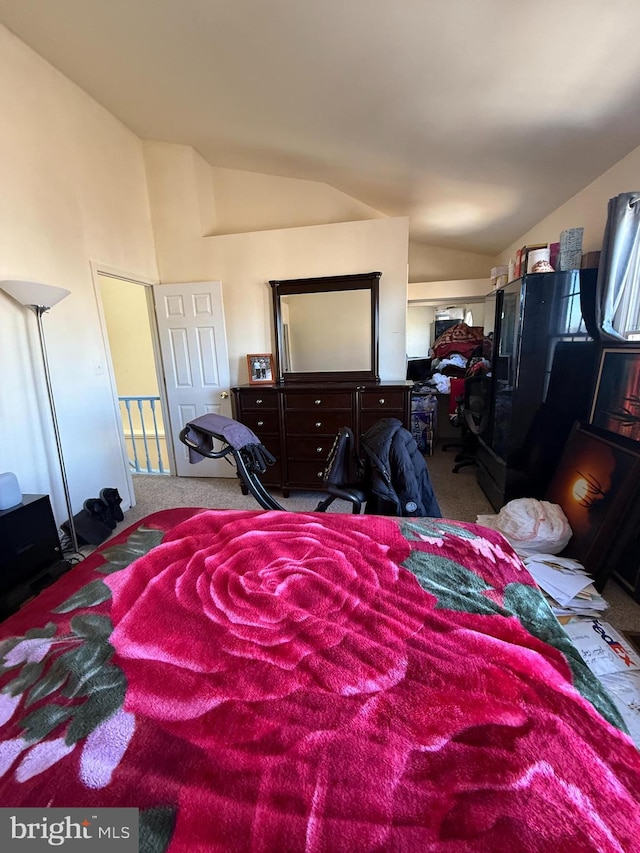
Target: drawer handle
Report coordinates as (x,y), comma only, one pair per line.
(318,450)
(318,423)
(260,423)
(319,474)
(317,402)
(381,401)
(258,402)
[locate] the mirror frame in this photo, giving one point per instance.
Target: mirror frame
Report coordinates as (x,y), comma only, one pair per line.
(329,284)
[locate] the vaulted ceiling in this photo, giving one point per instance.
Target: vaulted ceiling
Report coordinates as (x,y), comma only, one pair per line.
(475,118)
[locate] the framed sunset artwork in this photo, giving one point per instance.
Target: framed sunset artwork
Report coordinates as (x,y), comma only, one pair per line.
(595,483)
(616,402)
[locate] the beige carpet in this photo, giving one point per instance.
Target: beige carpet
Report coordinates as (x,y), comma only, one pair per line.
(459,496)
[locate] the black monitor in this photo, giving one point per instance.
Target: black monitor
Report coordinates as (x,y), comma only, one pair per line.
(418,369)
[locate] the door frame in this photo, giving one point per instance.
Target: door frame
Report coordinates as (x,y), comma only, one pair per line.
(98,269)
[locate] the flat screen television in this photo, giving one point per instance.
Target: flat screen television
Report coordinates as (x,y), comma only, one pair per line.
(418,369)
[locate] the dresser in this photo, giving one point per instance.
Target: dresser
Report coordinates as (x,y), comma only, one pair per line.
(298,423)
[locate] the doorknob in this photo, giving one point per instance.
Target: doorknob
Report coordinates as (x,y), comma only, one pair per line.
(224,394)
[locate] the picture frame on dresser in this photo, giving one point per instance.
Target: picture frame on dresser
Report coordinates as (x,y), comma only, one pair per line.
(616,401)
(261,368)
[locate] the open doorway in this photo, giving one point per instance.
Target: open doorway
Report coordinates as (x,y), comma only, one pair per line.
(131,338)
(424,316)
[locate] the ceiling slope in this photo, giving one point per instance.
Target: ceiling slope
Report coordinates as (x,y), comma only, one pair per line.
(475,118)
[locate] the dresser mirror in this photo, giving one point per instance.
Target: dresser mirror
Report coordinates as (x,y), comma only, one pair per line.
(326,329)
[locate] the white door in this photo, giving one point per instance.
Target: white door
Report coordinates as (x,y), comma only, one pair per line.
(193,344)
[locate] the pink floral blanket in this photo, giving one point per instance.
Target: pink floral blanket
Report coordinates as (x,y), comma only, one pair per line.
(273,681)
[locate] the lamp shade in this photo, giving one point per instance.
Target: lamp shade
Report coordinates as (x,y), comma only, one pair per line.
(34,292)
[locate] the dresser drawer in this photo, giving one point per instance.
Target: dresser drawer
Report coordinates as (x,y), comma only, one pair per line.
(259,400)
(318,400)
(273,475)
(272,443)
(306,473)
(382,401)
(316,423)
(368,419)
(262,422)
(313,447)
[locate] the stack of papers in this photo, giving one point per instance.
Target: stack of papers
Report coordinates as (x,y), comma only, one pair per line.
(566,585)
(603,649)
(612,658)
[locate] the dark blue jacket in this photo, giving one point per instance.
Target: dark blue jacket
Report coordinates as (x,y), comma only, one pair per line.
(396,475)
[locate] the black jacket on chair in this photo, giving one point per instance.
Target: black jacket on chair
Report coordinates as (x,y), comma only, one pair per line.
(396,477)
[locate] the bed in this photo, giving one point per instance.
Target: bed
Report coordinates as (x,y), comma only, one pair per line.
(275,681)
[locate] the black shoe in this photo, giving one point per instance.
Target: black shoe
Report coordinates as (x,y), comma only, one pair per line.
(100,510)
(111,497)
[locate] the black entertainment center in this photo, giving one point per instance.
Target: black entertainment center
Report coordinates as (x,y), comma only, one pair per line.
(30,551)
(544,366)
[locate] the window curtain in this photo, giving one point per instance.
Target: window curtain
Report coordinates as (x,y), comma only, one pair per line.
(618,286)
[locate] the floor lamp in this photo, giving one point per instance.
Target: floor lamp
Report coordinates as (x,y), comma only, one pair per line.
(40,298)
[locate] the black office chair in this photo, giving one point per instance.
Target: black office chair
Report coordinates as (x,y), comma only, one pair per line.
(343,473)
(474,418)
(456,398)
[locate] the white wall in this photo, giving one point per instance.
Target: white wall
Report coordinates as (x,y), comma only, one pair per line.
(247,201)
(246,262)
(433,264)
(451,292)
(588,209)
(238,201)
(419,320)
(73,191)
